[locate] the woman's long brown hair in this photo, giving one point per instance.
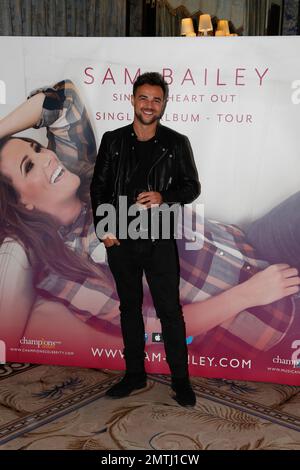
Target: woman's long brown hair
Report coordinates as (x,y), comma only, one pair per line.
(38,232)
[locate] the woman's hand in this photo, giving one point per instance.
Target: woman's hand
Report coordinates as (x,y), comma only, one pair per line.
(271,284)
(267,286)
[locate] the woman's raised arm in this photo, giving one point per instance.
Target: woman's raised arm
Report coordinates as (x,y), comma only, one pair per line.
(61,111)
(23,117)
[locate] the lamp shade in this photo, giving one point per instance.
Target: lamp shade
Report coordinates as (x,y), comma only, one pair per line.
(220,33)
(186,26)
(205,23)
(192,35)
(223,26)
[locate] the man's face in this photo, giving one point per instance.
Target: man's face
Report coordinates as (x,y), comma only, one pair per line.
(148,103)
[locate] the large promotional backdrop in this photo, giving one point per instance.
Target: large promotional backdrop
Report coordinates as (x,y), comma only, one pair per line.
(237,99)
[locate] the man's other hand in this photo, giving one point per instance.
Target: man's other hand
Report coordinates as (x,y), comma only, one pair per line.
(109,239)
(149,198)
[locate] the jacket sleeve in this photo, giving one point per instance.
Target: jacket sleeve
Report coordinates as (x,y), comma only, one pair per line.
(188,186)
(101,187)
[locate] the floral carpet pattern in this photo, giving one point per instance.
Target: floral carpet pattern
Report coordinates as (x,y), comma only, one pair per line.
(50,407)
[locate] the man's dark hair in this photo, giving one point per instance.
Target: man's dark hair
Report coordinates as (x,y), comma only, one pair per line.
(154,79)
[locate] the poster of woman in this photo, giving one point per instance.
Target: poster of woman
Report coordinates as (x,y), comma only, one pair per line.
(239,291)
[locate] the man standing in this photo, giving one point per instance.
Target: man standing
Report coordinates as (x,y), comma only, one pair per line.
(150,164)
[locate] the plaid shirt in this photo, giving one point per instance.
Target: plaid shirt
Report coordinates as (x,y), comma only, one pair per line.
(224,261)
(69,131)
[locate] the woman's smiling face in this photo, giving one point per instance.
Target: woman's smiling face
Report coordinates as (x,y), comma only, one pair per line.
(37,175)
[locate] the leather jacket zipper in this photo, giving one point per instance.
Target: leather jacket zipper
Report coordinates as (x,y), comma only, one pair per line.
(116,181)
(154,164)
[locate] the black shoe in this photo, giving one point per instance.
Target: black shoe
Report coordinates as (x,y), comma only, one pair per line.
(185,395)
(128,384)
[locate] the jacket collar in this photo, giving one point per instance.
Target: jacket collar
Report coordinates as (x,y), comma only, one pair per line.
(160,140)
(160,135)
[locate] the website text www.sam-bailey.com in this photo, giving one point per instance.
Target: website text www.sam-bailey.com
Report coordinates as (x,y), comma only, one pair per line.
(203,361)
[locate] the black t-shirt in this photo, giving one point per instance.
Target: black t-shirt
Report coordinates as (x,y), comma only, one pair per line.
(138,182)
(152,219)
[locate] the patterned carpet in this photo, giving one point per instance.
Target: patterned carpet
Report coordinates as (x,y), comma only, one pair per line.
(50,407)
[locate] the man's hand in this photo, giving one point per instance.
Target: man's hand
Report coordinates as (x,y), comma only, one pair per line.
(109,239)
(149,198)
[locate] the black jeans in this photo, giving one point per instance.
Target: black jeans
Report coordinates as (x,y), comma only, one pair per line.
(159,260)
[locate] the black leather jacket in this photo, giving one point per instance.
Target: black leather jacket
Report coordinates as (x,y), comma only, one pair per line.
(173,173)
